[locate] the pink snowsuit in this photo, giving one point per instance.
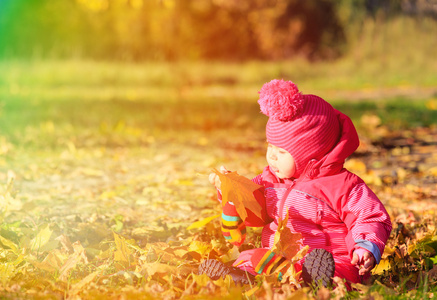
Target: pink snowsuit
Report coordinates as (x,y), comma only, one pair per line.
(331,207)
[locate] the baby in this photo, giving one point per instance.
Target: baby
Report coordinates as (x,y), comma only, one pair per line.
(332,208)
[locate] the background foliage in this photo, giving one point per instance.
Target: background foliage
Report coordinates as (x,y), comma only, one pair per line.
(194,29)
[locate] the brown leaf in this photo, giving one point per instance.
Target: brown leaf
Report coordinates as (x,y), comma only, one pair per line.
(240,191)
(433,273)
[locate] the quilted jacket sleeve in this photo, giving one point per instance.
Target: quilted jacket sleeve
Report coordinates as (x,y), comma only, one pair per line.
(367,220)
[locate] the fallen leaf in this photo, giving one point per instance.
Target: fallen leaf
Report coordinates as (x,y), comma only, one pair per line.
(323,294)
(66,243)
(340,291)
(383,265)
(200,247)
(231,255)
(291,277)
(159,268)
(433,272)
(9,244)
(77,257)
(202,222)
(51,263)
(123,254)
(39,242)
(251,292)
(79,286)
(201,280)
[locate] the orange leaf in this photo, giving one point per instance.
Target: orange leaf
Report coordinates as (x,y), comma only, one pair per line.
(286,243)
(240,191)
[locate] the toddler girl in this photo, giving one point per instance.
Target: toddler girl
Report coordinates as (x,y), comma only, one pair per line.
(332,208)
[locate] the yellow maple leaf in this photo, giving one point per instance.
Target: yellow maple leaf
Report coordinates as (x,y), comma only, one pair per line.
(123,254)
(383,265)
(201,223)
(240,191)
(200,247)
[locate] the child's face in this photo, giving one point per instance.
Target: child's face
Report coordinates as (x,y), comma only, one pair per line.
(280,161)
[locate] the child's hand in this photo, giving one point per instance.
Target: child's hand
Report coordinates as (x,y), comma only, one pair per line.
(364,260)
(215,180)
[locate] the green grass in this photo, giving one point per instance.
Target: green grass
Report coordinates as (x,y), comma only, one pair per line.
(85,95)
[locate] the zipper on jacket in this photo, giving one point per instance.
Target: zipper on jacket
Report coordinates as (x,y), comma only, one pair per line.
(284,197)
(319,215)
(304,174)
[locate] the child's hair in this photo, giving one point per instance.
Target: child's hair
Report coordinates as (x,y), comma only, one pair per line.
(305,125)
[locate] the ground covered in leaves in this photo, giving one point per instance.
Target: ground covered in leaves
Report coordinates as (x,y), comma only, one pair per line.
(109,197)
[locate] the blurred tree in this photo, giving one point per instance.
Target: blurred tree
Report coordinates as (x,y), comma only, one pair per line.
(211,31)
(188,29)
(266,29)
(420,7)
(291,27)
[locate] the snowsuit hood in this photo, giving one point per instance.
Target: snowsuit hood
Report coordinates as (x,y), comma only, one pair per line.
(333,161)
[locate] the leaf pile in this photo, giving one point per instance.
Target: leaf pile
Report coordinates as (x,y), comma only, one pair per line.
(78,240)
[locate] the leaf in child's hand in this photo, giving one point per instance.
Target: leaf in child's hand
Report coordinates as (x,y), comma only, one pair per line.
(287,243)
(240,191)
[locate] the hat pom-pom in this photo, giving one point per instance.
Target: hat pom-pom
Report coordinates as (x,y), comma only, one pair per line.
(280,100)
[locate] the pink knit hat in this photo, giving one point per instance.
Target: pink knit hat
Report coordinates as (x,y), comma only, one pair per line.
(304,125)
